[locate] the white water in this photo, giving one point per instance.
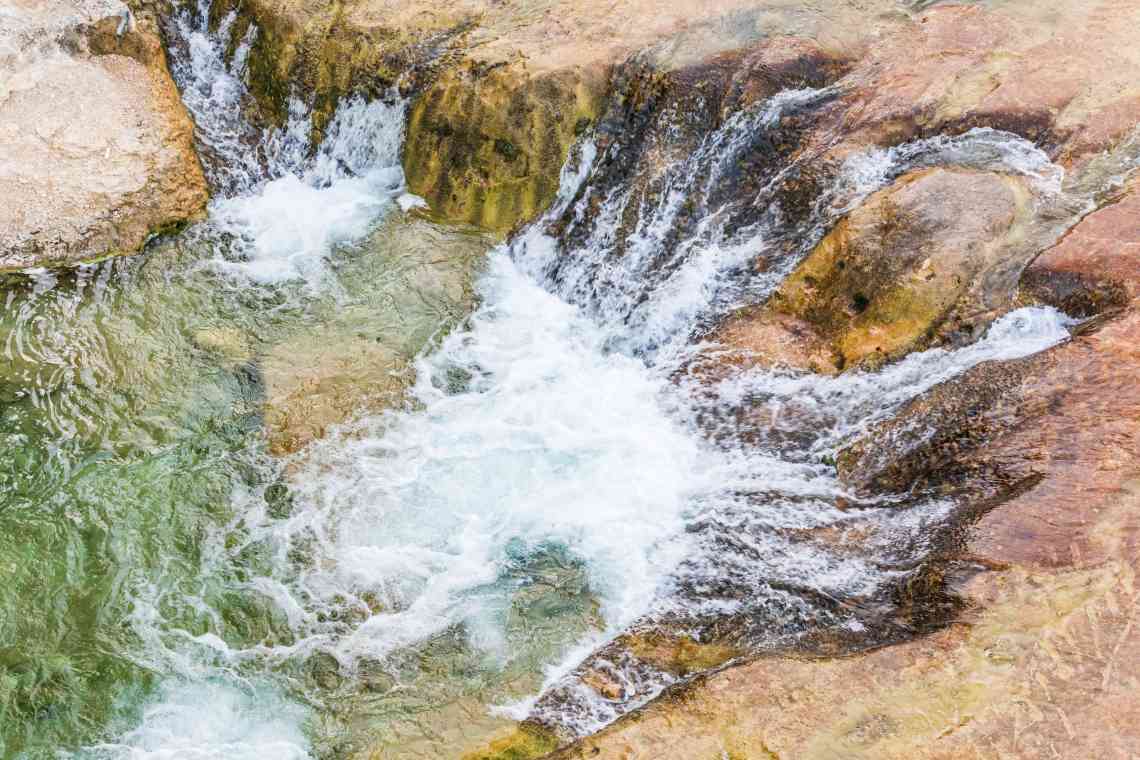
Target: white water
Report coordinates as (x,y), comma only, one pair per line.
(553,419)
(285,205)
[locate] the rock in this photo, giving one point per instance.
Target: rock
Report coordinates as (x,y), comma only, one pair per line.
(755,337)
(418,282)
(1097,264)
(1062,74)
(485,144)
(932,258)
(226,343)
(1042,662)
(96,149)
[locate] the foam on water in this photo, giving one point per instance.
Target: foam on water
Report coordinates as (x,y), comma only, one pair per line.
(212,719)
(546,439)
(284,204)
(557,420)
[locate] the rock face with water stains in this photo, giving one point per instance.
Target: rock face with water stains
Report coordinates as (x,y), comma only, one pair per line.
(96,149)
(931,259)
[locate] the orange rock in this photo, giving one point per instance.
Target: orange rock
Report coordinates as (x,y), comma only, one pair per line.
(1096,265)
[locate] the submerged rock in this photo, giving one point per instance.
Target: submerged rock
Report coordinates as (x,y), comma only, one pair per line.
(96,149)
(419,285)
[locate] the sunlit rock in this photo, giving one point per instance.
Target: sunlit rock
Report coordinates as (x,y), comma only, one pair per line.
(96,152)
(933,257)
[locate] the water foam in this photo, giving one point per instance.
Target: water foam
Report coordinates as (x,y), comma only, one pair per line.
(550,441)
(212,720)
(284,203)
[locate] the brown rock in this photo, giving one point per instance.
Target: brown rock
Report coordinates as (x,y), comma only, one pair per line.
(933,257)
(96,149)
(1097,265)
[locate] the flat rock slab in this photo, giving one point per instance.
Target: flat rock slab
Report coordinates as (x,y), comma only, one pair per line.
(96,149)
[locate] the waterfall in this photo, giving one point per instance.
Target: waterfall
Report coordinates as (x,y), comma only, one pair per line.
(554,435)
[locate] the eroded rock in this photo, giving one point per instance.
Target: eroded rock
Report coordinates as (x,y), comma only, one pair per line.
(931,259)
(96,149)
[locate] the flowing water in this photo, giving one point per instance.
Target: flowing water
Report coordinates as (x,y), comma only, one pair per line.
(557,474)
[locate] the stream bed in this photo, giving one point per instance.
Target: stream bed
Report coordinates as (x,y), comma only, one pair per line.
(319,475)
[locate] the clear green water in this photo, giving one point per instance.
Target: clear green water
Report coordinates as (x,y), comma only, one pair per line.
(133,445)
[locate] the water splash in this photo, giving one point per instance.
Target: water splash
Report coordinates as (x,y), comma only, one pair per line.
(283,203)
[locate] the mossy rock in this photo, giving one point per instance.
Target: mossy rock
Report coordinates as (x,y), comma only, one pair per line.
(486,144)
(524,743)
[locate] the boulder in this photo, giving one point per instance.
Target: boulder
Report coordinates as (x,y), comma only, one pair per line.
(96,149)
(931,259)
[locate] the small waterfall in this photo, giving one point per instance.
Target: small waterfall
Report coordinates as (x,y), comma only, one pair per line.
(281,202)
(556,478)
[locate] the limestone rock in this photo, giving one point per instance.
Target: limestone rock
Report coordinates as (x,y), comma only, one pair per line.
(96,149)
(934,256)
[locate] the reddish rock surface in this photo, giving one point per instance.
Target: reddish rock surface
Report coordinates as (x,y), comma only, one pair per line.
(1096,265)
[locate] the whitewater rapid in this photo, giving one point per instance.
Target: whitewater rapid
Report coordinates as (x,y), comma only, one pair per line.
(552,422)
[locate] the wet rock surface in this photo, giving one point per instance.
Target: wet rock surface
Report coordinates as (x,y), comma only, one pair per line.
(97,152)
(1042,551)
(931,258)
(1096,267)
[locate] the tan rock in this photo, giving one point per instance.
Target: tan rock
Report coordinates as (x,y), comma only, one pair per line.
(932,256)
(96,149)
